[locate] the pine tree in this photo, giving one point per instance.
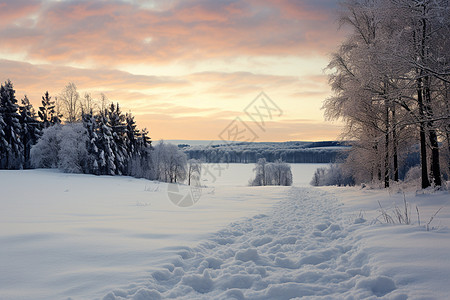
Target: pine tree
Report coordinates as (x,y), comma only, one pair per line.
(93,158)
(116,121)
(47,112)
(30,129)
(132,134)
(11,147)
(105,145)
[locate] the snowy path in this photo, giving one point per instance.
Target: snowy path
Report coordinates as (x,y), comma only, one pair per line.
(304,247)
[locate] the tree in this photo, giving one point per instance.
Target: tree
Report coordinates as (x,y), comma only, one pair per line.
(30,129)
(89,124)
(170,163)
(70,103)
(260,172)
(47,112)
(382,77)
(118,143)
(276,173)
(105,144)
(88,104)
(45,153)
(11,147)
(73,154)
(194,170)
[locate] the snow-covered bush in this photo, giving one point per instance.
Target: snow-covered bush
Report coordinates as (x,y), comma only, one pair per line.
(73,155)
(62,147)
(45,153)
(413,175)
(333,175)
(277,173)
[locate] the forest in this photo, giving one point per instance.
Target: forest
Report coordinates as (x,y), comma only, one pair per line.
(391,84)
(290,152)
(80,135)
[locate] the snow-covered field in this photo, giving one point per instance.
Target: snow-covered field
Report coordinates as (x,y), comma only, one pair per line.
(88,237)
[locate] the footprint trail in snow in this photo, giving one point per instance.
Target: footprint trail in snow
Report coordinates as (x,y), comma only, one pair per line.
(303,248)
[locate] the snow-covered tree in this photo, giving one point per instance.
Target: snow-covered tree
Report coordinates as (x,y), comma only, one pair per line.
(384,77)
(11,146)
(260,173)
(73,156)
(333,175)
(45,153)
(105,144)
(170,163)
(276,173)
(118,143)
(194,171)
(31,129)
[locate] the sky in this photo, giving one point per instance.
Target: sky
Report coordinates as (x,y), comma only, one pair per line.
(186,69)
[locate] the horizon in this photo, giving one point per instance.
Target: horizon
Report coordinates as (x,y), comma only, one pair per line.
(185,69)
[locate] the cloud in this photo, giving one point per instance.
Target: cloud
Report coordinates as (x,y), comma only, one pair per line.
(168,127)
(108,33)
(28,78)
(18,10)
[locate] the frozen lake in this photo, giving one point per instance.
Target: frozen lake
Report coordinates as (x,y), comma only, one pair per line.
(239,174)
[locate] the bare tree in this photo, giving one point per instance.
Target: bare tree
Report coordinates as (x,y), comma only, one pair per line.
(89,104)
(70,103)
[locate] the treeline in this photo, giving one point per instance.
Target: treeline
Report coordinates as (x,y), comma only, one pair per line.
(391,81)
(290,152)
(93,139)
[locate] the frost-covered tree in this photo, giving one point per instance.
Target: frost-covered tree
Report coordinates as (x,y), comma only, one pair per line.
(170,163)
(276,173)
(73,156)
(260,173)
(45,153)
(11,146)
(333,175)
(385,76)
(194,171)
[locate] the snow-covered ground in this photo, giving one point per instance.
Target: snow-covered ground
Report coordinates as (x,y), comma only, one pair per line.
(90,237)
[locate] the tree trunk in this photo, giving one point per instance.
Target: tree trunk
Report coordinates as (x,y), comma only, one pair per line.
(435,165)
(394,143)
(423,142)
(386,146)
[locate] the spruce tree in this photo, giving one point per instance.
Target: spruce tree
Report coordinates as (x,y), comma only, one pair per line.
(88,120)
(47,112)
(105,145)
(11,155)
(116,121)
(30,129)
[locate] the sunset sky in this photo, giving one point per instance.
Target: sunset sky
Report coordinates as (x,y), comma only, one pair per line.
(185,69)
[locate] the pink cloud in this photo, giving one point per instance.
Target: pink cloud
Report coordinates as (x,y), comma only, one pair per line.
(12,11)
(114,32)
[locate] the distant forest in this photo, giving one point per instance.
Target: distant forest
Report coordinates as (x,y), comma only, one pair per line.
(290,152)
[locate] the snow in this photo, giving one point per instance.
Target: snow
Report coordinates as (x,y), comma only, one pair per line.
(99,237)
